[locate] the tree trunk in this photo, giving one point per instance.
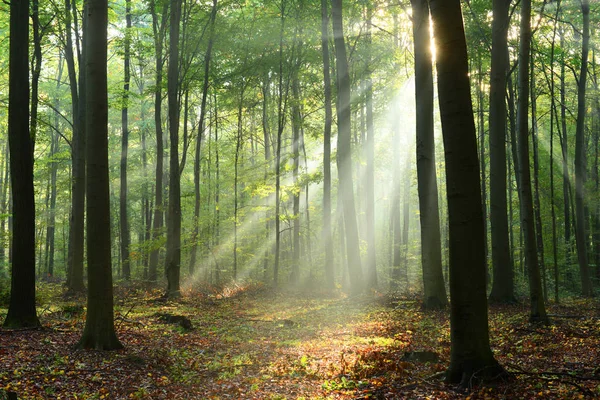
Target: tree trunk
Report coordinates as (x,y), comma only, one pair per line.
(36,69)
(371,266)
(327,230)
(536,188)
(173,256)
(470,349)
(99,332)
(344,154)
(537,309)
(503,283)
(21,308)
(565,155)
(159,35)
(77,220)
(431,244)
(580,158)
(201,135)
(123,220)
(296,127)
(281,108)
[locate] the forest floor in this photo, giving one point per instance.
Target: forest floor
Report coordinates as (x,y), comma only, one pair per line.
(253,343)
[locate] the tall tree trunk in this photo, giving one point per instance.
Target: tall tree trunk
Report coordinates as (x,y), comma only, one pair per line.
(431,244)
(159,36)
(99,332)
(281,112)
(565,154)
(470,352)
(54,147)
(217,234)
(173,256)
(296,127)
(537,310)
(503,284)
(267,147)
(201,129)
(238,148)
(123,220)
(344,151)
(553,116)
(370,150)
(77,220)
(21,308)
(580,158)
(536,187)
(36,69)
(482,158)
(327,230)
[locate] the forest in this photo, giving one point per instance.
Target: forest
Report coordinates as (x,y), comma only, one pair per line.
(299,199)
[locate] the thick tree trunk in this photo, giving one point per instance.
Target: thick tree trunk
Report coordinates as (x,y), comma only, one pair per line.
(431,244)
(470,356)
(344,151)
(173,256)
(503,284)
(537,308)
(21,308)
(99,332)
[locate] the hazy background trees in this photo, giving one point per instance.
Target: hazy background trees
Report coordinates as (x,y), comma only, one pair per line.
(261,196)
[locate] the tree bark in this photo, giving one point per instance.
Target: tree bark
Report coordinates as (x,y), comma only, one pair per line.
(431,244)
(201,135)
(503,282)
(173,256)
(21,308)
(77,219)
(327,230)
(99,332)
(537,308)
(123,220)
(580,158)
(344,154)
(157,234)
(371,266)
(470,354)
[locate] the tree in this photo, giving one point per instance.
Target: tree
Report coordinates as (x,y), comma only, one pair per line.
(123,220)
(431,244)
(537,308)
(370,152)
(173,256)
(344,152)
(99,332)
(470,357)
(76,222)
(21,308)
(503,285)
(327,233)
(580,158)
(158,29)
